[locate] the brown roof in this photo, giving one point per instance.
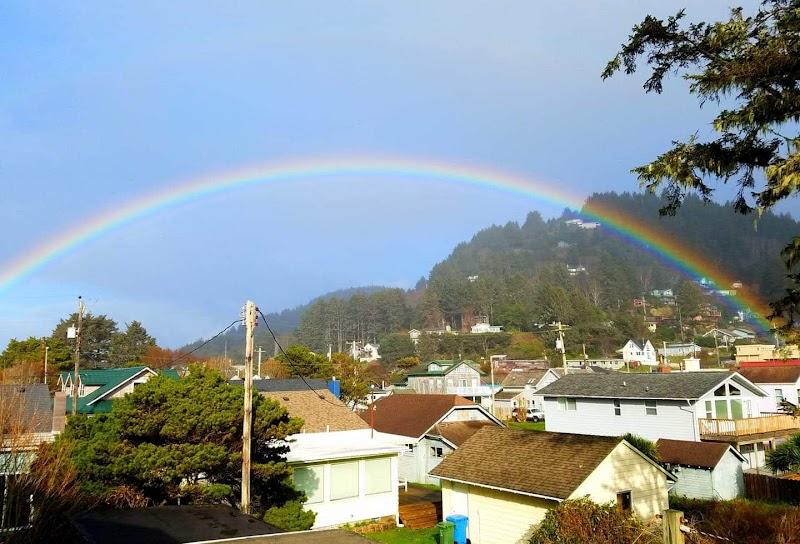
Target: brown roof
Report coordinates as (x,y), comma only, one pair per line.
(507,395)
(318,415)
(412,415)
(771,374)
(691,454)
(457,432)
(540,463)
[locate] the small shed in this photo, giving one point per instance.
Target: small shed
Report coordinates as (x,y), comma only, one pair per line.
(704,470)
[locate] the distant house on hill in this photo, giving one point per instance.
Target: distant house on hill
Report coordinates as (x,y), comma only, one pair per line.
(679,350)
(639,352)
(463,378)
(703,470)
(428,427)
(505,481)
(97,388)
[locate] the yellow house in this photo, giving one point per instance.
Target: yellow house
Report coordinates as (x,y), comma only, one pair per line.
(765,352)
(506,480)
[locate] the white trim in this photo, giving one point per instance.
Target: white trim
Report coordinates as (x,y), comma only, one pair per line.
(496,488)
(124,382)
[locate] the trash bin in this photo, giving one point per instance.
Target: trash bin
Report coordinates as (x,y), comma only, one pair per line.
(460,532)
(445,532)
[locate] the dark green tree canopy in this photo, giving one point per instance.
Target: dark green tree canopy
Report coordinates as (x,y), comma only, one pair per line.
(181,439)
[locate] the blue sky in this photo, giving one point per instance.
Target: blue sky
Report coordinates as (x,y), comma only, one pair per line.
(102,102)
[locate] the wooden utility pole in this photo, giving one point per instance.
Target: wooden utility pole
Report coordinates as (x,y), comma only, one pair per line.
(560,342)
(75,389)
(247,427)
(46,349)
(260,351)
(671,527)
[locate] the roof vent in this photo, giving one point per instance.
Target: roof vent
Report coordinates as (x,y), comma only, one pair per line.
(647,388)
(624,384)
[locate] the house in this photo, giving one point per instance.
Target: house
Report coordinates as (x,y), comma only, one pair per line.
(502,363)
(365,353)
(596,364)
(781,383)
(662,293)
(28,418)
(98,388)
(428,427)
(765,352)
(697,406)
(484,328)
(348,472)
(414,334)
(639,352)
(519,390)
(506,480)
(703,470)
(574,270)
(726,337)
(463,378)
(679,350)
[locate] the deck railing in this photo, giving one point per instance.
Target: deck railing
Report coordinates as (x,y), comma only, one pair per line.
(750,425)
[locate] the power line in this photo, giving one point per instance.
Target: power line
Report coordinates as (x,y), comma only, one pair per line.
(280,347)
(204,344)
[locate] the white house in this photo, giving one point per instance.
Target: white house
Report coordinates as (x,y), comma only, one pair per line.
(347,476)
(643,353)
(463,378)
(428,427)
(366,353)
(703,470)
(519,390)
(483,327)
(505,481)
(781,383)
(680,350)
(708,406)
(414,334)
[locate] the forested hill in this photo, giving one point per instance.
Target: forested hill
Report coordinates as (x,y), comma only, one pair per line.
(522,275)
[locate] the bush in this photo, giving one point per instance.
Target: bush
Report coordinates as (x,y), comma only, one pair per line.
(290,517)
(583,521)
(644,445)
(742,521)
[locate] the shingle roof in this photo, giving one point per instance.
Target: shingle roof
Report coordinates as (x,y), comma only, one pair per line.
(27,407)
(507,395)
(691,454)
(412,415)
(771,374)
(670,385)
(539,463)
(520,378)
(457,432)
(318,415)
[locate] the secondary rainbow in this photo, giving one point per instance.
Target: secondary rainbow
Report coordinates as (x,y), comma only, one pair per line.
(669,250)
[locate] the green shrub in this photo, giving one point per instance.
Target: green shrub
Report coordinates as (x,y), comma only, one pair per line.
(585,522)
(643,445)
(290,517)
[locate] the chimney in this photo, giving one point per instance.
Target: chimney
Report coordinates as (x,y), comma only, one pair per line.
(59,411)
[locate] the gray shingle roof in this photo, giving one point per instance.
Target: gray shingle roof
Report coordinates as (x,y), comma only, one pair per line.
(670,385)
(29,406)
(289,384)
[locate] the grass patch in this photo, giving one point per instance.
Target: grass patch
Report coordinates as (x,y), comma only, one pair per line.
(432,487)
(526,425)
(401,535)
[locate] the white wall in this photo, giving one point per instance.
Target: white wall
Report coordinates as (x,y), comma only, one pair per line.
(728,478)
(351,510)
(769,403)
(695,483)
(675,419)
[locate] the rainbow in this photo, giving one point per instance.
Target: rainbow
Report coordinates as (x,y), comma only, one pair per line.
(662,246)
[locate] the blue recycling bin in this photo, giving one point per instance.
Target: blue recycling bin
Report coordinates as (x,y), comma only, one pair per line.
(460,533)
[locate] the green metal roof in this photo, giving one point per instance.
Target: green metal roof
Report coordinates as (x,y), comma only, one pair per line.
(107,379)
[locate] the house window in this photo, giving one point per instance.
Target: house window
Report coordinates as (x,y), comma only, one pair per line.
(617,407)
(309,480)
(651,408)
(746,448)
(736,409)
(624,501)
(709,410)
(377,476)
(719,391)
(779,396)
(409,447)
(344,480)
(568,405)
(462,382)
(733,391)
(721,407)
(437,452)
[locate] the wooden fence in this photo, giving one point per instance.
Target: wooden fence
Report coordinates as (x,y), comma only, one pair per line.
(769,488)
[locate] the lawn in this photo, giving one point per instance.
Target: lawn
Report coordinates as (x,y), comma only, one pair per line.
(401,535)
(526,425)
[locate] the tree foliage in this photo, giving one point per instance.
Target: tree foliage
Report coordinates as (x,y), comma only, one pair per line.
(353,377)
(647,447)
(786,456)
(749,65)
(302,362)
(173,440)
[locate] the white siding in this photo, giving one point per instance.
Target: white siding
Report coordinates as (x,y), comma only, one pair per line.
(495,517)
(674,420)
(695,483)
(769,404)
(729,477)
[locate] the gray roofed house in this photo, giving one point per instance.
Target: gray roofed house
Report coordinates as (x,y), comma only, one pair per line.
(709,406)
(289,384)
(669,385)
(28,406)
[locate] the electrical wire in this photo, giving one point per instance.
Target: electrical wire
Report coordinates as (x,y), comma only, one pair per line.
(280,347)
(204,344)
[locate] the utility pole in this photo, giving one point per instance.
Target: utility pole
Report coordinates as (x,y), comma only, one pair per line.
(247,427)
(75,389)
(260,351)
(560,346)
(716,348)
(491,372)
(46,349)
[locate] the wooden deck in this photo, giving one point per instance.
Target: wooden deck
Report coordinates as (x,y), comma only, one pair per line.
(727,429)
(420,508)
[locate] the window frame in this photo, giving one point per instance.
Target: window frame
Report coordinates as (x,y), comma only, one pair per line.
(651,407)
(617,407)
(357,480)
